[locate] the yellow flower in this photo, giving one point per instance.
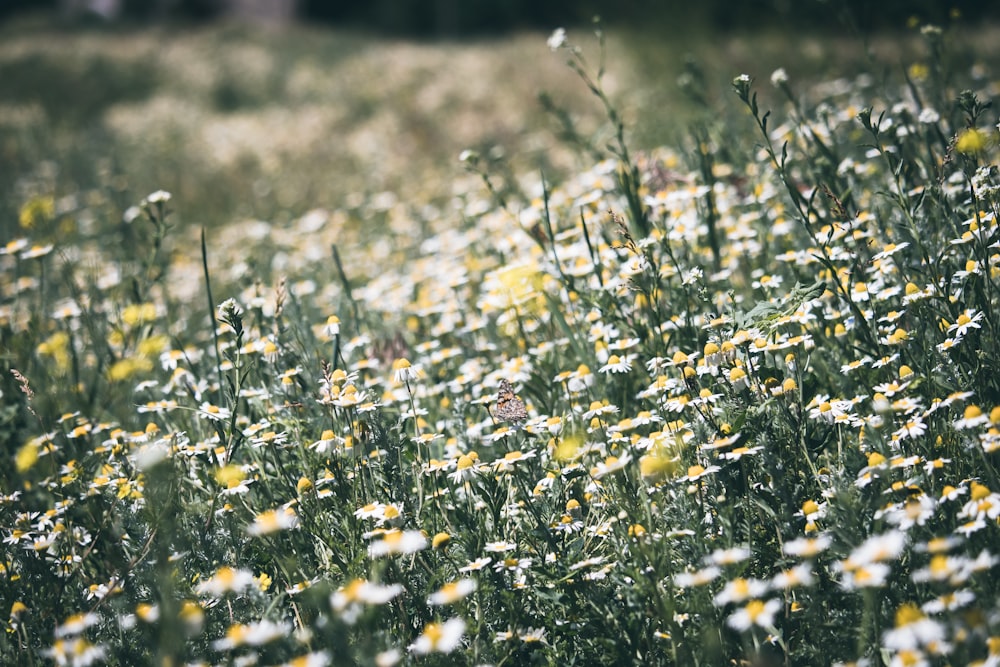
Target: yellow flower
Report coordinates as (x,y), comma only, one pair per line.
(972,141)
(125,368)
(138,314)
(908,613)
(153,346)
(147,612)
(226,475)
(36,210)
(56,346)
(568,448)
(192,615)
(27,456)
(918,71)
(659,463)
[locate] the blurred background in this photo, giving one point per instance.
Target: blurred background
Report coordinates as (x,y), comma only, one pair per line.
(436,18)
(267,109)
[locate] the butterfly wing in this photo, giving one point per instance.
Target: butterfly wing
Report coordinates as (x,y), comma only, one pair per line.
(509,408)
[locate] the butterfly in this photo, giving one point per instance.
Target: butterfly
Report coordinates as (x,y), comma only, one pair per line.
(509,408)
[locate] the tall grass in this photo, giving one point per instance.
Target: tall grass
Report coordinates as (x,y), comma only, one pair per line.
(760,406)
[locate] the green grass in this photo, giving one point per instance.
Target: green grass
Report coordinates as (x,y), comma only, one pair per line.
(258,418)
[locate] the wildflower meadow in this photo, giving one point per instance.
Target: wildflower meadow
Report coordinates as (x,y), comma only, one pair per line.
(731,400)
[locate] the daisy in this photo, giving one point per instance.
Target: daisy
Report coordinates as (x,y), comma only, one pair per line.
(598,408)
(395,542)
(251,634)
(365,592)
(970,527)
(876,549)
(754,613)
(273,521)
(799,575)
(439,637)
(872,575)
(729,556)
(913,428)
(698,577)
(609,465)
(517,565)
(941,568)
(972,417)
(476,565)
(452,592)
(968,320)
(506,464)
(617,364)
(807,547)
(388,658)
(913,630)
(949,602)
(314,659)
(740,452)
(227,580)
(76,624)
(76,651)
(740,589)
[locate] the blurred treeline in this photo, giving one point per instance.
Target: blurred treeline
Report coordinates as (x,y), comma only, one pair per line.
(453,18)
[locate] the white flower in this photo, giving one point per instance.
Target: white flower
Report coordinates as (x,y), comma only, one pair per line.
(229,309)
(160,196)
(967,320)
(225,580)
(439,637)
(398,542)
(272,521)
(130,214)
(500,547)
(872,575)
(403,372)
(451,592)
(251,634)
(928,116)
(754,613)
(877,549)
(332,326)
(697,578)
(800,575)
(610,465)
(617,364)
(388,658)
(728,556)
(76,624)
(362,591)
(739,590)
(77,652)
(779,77)
(557,39)
(315,659)
(919,632)
(476,565)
